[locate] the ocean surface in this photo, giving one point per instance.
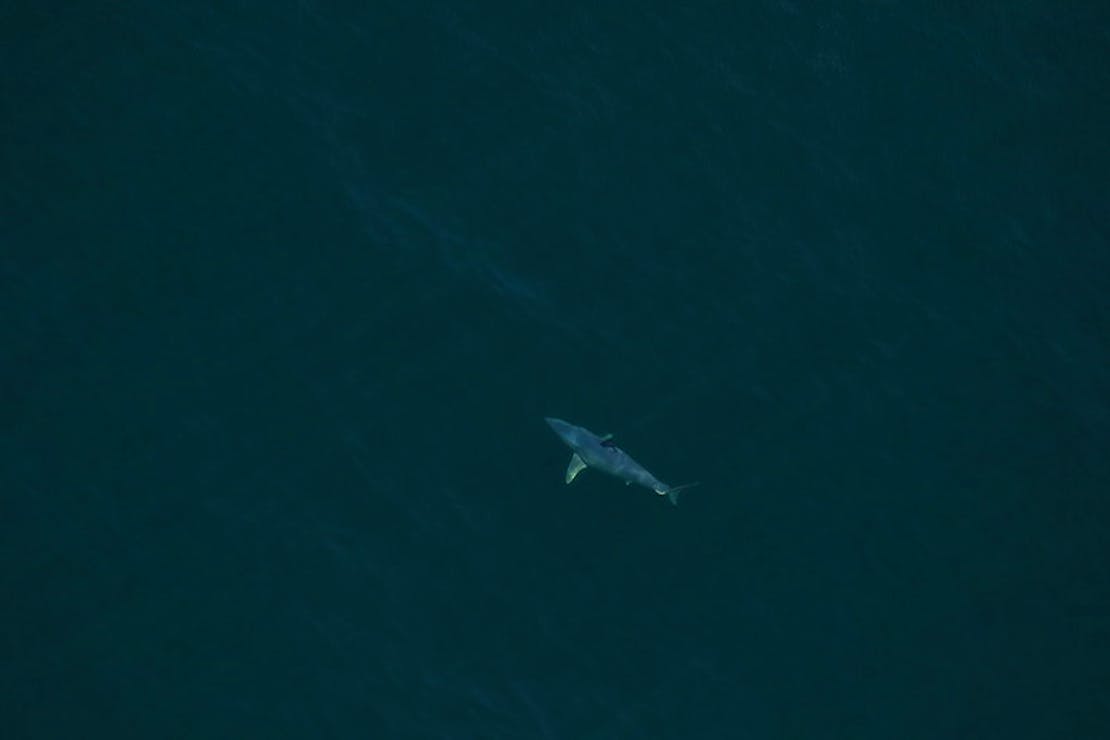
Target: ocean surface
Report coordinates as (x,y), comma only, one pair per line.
(287,288)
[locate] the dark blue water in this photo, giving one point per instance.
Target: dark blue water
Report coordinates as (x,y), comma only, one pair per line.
(286,290)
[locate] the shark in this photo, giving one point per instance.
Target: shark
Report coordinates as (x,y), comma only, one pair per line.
(601,453)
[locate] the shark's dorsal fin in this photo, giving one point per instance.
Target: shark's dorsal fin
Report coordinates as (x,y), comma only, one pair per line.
(574,467)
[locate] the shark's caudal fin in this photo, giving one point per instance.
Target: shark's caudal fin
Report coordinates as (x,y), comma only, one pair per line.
(672,492)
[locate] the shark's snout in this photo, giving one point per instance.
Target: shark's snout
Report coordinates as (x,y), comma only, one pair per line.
(562,428)
(557,424)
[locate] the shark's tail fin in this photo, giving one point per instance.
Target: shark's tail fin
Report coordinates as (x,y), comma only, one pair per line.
(673,491)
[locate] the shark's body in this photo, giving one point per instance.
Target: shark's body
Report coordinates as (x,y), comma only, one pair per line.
(599,453)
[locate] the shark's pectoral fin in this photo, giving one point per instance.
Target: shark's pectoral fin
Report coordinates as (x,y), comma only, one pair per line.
(575,467)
